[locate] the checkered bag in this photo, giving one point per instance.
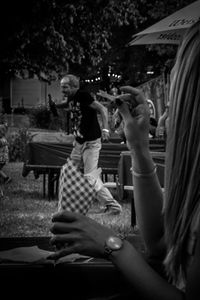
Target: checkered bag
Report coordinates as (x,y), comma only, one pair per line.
(76,193)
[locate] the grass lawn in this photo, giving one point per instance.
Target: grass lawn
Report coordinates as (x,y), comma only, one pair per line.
(24,212)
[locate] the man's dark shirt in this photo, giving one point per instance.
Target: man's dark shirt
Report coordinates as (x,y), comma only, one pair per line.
(87,127)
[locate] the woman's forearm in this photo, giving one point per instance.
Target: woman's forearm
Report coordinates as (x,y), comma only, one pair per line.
(143,279)
(148,198)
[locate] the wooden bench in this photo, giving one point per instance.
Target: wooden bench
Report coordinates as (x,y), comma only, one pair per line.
(47,159)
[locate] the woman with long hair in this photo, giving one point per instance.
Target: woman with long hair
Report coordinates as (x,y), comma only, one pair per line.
(168,222)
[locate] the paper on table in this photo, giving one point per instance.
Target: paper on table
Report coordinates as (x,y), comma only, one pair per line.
(34,254)
(24,254)
(73,257)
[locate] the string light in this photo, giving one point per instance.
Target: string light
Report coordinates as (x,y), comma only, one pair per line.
(96,79)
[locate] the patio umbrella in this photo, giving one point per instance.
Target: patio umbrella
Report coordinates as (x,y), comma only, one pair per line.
(170,29)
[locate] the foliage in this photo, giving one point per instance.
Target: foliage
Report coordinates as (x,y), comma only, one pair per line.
(44,36)
(49,37)
(17,143)
(20,110)
(41,117)
(133,62)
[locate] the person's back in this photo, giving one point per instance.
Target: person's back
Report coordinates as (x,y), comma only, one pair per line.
(4,152)
(161,127)
(3,144)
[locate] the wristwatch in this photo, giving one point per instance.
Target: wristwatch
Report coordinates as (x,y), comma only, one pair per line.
(113,243)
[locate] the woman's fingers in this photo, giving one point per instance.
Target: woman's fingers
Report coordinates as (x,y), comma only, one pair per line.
(65,244)
(128,98)
(123,108)
(63,227)
(129,102)
(62,252)
(64,216)
(64,238)
(136,93)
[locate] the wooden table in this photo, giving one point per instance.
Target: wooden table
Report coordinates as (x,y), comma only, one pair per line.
(48,158)
(45,158)
(75,280)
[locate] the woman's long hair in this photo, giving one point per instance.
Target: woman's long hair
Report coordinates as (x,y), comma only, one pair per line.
(182,177)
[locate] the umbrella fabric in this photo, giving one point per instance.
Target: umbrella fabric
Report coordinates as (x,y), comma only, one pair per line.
(170,29)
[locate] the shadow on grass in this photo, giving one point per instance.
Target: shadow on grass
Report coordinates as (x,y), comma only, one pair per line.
(30,194)
(34,195)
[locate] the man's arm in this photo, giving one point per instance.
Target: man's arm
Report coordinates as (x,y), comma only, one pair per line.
(102,110)
(104,115)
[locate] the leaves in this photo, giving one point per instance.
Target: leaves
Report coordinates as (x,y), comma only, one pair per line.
(53,36)
(46,35)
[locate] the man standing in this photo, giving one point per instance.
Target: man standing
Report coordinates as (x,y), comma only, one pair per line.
(86,129)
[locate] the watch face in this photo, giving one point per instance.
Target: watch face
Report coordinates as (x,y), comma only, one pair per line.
(114,243)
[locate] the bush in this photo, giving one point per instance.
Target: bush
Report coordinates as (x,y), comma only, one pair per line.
(41,117)
(20,110)
(17,143)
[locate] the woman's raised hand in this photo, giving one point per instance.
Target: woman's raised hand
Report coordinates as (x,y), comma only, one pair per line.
(135,113)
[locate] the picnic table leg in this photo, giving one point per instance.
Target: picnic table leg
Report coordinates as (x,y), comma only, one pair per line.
(133,215)
(57,183)
(44,185)
(50,185)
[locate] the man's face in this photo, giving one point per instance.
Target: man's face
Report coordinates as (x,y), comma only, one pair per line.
(66,88)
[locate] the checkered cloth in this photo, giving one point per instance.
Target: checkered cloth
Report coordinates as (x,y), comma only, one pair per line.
(76,193)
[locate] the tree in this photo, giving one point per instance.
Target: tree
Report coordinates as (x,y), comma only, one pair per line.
(133,62)
(47,38)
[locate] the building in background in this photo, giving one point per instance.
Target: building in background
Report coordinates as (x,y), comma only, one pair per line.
(27,93)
